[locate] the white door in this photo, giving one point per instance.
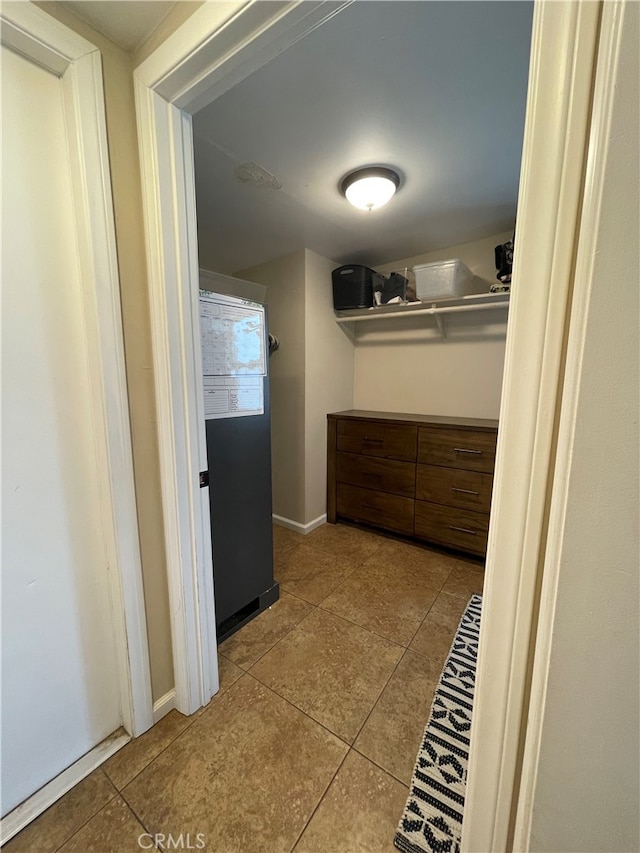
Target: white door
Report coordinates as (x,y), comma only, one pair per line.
(59,676)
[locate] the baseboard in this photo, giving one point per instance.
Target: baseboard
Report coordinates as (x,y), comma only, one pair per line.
(58,787)
(164,704)
(300,528)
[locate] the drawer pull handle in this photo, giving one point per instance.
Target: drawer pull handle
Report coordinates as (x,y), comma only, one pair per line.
(466,450)
(369,506)
(370,474)
(464,491)
(462,530)
(373,440)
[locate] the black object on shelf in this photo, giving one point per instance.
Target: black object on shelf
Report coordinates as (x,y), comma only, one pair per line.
(353,286)
(393,286)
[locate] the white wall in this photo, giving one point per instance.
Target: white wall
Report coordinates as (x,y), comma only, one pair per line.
(329,358)
(587,791)
(311,375)
(406,367)
(285,280)
(478,256)
(397,367)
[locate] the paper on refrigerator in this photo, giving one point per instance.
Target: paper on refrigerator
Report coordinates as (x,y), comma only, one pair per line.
(233,356)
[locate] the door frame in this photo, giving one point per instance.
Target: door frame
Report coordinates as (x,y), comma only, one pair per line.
(598,160)
(559,108)
(217,47)
(220,45)
(34,34)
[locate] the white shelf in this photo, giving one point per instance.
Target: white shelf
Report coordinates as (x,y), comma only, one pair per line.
(436,309)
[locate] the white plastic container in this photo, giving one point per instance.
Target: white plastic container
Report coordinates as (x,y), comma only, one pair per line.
(443,279)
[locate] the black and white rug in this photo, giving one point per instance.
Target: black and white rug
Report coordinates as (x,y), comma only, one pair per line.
(432,819)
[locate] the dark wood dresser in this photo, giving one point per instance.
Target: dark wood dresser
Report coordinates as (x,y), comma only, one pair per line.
(423,476)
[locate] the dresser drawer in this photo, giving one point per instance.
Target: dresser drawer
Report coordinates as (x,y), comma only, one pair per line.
(457,528)
(454,487)
(457,448)
(392,441)
(386,475)
(389,511)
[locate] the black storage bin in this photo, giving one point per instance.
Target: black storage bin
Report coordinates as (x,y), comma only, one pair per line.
(353,286)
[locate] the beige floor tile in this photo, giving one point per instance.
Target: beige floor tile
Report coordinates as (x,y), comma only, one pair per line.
(431,566)
(331,669)
(55,826)
(284,540)
(134,757)
(311,574)
(359,813)
(228,672)
(114,829)
(466,579)
(247,774)
(248,644)
(393,732)
(249,770)
(434,637)
(350,542)
(389,598)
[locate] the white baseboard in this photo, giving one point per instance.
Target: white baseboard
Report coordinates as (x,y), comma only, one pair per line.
(164,704)
(58,787)
(300,528)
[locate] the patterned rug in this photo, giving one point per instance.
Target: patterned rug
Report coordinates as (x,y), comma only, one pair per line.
(432,819)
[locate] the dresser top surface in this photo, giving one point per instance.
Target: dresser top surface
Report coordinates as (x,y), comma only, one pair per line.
(426,420)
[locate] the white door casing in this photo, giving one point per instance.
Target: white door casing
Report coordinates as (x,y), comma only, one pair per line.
(220,45)
(216,48)
(41,40)
(599,408)
(563,57)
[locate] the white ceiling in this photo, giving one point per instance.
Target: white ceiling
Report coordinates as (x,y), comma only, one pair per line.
(126,22)
(435,89)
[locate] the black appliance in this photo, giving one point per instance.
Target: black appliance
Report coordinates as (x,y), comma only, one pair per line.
(239,465)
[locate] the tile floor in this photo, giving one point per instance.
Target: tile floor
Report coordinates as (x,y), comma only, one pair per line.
(309,746)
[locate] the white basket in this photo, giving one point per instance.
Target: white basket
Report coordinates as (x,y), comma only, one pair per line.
(443,279)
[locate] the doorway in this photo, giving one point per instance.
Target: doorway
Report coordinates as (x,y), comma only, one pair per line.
(173,86)
(269,155)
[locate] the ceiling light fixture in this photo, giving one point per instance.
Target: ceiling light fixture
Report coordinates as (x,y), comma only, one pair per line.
(370,187)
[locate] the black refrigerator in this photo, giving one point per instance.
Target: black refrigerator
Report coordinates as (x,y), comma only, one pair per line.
(238,432)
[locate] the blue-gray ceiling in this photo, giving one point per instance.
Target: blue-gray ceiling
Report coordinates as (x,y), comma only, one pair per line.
(435,89)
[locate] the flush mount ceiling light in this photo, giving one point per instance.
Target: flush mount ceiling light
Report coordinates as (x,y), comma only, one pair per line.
(370,187)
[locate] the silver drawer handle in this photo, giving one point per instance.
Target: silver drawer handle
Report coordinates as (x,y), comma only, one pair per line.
(465,450)
(462,529)
(464,491)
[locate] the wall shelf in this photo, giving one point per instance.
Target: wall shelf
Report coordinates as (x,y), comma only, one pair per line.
(436,309)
